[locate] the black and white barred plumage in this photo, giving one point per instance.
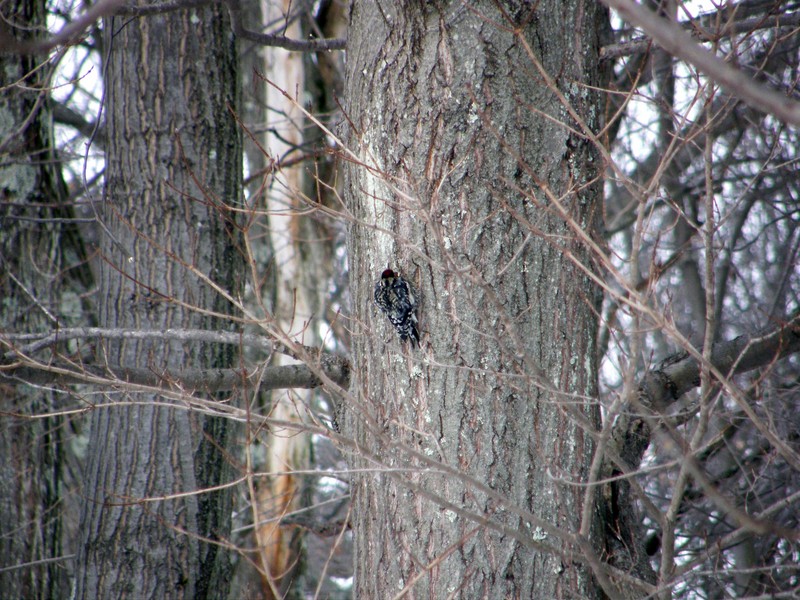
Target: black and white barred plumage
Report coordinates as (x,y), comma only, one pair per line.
(397,299)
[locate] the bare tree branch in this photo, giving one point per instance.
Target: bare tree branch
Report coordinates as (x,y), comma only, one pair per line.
(68,34)
(64,115)
(235,10)
(104,8)
(633,428)
(43,340)
(678,374)
(321,527)
(19,366)
(748,25)
(661,387)
(267,39)
(205,380)
(677,42)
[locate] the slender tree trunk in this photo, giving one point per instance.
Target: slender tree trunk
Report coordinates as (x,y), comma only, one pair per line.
(282,545)
(173,168)
(465,140)
(300,267)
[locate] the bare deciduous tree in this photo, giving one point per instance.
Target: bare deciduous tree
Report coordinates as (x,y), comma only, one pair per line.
(601,226)
(171,243)
(42,275)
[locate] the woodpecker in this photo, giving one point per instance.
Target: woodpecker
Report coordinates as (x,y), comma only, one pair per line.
(397,299)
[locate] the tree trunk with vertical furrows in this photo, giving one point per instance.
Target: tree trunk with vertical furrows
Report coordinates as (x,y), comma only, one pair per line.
(477,185)
(173,169)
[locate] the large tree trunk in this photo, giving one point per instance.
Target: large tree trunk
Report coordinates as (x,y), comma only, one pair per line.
(466,140)
(173,166)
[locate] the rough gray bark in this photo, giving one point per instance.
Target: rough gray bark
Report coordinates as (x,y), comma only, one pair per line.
(445,105)
(173,167)
(40,262)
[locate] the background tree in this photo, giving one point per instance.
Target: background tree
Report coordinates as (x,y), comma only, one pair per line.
(43,276)
(714,195)
(171,236)
(288,165)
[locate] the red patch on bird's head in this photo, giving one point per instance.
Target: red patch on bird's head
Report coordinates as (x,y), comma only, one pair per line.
(388,274)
